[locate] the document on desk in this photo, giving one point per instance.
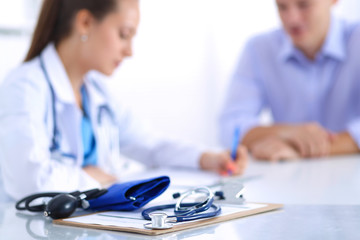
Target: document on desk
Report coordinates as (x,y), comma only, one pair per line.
(133,221)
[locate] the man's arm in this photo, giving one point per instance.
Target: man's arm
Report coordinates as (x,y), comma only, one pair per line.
(343,143)
(309,139)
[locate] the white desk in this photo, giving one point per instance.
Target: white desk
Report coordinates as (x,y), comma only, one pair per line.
(331,186)
(326,181)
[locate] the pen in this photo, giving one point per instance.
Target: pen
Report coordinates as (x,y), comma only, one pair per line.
(235,144)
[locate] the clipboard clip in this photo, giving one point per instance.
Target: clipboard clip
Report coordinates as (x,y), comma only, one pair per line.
(233,193)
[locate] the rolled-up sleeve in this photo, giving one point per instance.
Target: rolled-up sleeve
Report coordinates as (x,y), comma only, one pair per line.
(138,142)
(354,130)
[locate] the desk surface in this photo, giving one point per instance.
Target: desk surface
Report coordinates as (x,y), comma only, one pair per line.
(330,186)
(324,181)
(292,222)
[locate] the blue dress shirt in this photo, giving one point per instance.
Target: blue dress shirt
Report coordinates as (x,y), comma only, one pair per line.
(274,74)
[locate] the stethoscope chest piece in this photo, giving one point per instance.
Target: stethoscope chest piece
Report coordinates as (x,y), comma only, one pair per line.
(158,221)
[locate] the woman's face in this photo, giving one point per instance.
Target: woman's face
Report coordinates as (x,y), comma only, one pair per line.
(110,40)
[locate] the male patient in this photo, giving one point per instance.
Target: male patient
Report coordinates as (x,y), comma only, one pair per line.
(308,75)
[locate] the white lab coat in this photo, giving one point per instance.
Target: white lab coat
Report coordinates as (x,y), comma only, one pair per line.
(26,129)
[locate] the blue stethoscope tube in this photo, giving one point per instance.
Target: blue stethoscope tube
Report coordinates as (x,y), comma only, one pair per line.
(181,218)
(55,146)
(188,211)
(55,141)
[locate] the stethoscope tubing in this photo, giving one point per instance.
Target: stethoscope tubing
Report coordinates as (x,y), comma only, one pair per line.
(29,199)
(24,204)
(55,141)
(181,218)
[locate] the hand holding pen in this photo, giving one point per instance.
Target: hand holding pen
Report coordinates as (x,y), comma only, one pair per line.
(226,163)
(237,153)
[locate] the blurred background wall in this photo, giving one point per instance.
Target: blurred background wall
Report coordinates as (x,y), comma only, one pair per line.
(184,55)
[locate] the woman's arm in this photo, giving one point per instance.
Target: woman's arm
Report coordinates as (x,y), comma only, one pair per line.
(26,162)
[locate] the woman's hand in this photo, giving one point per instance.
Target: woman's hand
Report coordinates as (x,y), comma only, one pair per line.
(99,175)
(222,162)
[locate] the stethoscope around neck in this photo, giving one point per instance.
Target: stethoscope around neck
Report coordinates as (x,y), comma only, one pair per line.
(55,141)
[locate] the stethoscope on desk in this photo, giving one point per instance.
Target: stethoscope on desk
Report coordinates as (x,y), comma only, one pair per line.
(55,149)
(182,211)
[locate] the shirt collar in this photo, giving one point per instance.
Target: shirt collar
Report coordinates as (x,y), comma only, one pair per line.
(287,50)
(99,97)
(96,92)
(334,45)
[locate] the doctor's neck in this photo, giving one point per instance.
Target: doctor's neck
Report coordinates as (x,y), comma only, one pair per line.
(69,53)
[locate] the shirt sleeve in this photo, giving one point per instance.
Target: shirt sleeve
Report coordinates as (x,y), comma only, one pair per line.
(25,157)
(354,130)
(152,149)
(244,99)
(353,126)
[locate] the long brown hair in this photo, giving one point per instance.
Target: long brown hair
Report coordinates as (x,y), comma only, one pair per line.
(56,18)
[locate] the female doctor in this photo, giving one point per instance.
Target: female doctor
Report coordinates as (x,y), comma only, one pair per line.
(60,130)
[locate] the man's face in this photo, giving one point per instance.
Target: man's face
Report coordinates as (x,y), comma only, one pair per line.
(306,21)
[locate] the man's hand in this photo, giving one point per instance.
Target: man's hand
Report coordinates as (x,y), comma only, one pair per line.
(310,139)
(273,149)
(222,162)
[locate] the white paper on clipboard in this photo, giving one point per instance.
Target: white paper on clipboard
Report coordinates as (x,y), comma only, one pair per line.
(135,220)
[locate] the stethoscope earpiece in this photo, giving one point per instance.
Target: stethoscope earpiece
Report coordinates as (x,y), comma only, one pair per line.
(61,206)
